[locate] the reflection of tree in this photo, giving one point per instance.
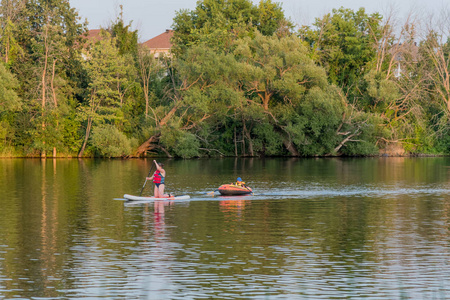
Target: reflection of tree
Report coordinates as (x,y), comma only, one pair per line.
(60,233)
(49,226)
(37,238)
(55,222)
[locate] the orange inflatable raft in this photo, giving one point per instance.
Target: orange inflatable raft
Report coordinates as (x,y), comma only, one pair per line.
(233,190)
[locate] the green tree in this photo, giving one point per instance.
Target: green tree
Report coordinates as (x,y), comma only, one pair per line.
(198,92)
(10,11)
(266,97)
(436,51)
(432,76)
(208,89)
(149,70)
(217,23)
(48,34)
(344,43)
(9,100)
(109,141)
(127,39)
(280,78)
(9,103)
(106,70)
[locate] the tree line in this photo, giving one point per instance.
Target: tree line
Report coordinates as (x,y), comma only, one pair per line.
(242,80)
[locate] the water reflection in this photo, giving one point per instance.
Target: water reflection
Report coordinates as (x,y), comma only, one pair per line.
(316,229)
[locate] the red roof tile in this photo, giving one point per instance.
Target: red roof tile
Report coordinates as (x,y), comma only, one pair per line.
(161,41)
(93,35)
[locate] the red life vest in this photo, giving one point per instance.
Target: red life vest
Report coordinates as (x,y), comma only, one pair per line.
(157,177)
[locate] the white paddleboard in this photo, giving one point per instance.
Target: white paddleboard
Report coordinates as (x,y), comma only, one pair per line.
(132,197)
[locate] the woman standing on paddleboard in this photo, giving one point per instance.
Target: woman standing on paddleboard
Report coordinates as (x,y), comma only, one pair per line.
(158,180)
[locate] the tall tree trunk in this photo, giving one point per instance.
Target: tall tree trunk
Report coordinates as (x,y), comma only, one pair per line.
(86,137)
(55,101)
(146,100)
(7,51)
(43,154)
(44,74)
(145,87)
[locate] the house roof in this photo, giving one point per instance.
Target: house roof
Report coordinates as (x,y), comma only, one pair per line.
(161,41)
(93,35)
(402,49)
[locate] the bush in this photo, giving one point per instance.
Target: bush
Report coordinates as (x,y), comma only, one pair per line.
(183,143)
(187,146)
(108,141)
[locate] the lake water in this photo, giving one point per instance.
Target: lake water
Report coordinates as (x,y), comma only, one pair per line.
(373,228)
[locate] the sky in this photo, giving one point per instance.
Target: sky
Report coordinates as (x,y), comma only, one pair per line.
(153,17)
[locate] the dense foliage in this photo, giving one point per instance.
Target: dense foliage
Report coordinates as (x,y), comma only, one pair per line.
(241,81)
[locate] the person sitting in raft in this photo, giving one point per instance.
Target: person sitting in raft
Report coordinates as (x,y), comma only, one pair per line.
(239,182)
(158,180)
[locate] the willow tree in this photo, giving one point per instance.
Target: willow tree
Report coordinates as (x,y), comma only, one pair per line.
(311,116)
(267,97)
(185,113)
(198,91)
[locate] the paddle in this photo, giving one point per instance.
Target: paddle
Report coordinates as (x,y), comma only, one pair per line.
(243,185)
(212,193)
(151,169)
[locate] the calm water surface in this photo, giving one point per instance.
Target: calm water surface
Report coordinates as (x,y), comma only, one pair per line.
(374,228)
